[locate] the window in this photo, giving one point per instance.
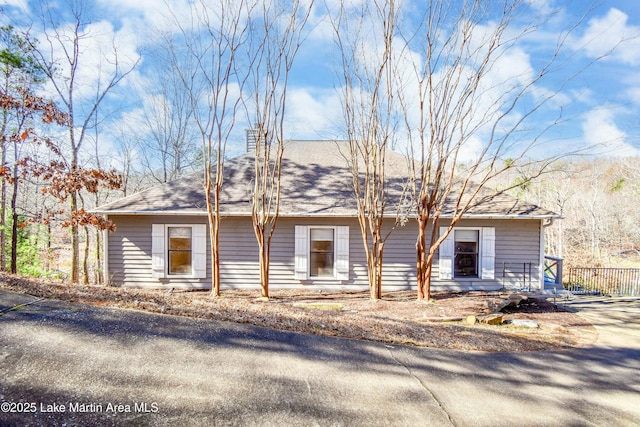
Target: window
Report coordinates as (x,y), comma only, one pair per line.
(179,250)
(465,261)
(467,252)
(321,252)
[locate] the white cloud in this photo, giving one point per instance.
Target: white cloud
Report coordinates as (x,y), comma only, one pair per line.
(611,36)
(634,94)
(100,49)
(601,132)
(148,16)
(313,114)
(543,6)
(20,4)
(583,95)
(349,5)
(632,84)
(151,18)
(470,150)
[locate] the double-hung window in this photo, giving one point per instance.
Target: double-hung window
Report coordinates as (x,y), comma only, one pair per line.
(179,250)
(321,252)
(467,252)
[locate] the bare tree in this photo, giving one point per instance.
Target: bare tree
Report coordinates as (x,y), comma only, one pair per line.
(277,34)
(19,71)
(63,62)
(164,134)
(127,160)
(26,107)
(368,94)
(597,198)
(213,76)
(454,98)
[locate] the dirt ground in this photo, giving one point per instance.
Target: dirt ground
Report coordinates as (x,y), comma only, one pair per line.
(396,319)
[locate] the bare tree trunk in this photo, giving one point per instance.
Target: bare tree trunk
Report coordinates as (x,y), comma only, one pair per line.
(75,243)
(266,200)
(275,52)
(213,213)
(3,198)
(3,183)
(426,256)
(422,266)
(378,263)
(15,223)
(47,265)
(85,257)
(368,99)
(426,290)
(99,277)
(264,260)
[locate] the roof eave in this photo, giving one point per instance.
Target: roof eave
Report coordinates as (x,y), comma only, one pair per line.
(135,212)
(323,214)
(508,216)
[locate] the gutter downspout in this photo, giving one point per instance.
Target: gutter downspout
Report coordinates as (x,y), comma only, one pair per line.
(105,247)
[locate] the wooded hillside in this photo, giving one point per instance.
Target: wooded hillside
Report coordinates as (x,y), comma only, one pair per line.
(599,200)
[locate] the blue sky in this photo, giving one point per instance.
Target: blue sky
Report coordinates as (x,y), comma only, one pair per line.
(599,106)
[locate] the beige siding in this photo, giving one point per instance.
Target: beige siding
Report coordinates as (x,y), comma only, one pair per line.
(517,244)
(129,251)
(517,257)
(239,254)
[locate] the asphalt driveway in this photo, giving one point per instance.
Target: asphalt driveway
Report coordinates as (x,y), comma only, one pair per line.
(64,364)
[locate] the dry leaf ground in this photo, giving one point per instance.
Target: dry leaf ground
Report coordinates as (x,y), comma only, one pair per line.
(396,319)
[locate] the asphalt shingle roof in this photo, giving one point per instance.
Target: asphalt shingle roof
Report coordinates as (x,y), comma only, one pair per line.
(315,182)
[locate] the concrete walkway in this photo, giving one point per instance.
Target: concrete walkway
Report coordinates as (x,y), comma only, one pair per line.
(76,365)
(617,319)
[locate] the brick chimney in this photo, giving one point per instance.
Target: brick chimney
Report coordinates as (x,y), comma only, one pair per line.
(252,140)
